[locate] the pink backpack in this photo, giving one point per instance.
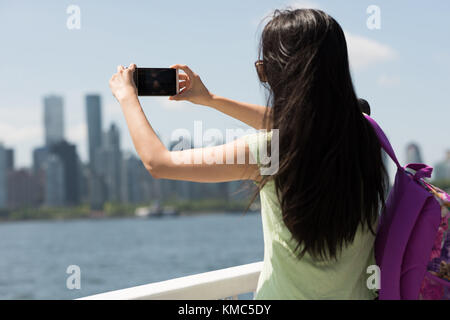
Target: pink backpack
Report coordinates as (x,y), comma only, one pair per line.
(412,246)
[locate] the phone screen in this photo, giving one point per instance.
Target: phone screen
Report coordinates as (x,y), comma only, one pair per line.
(156,81)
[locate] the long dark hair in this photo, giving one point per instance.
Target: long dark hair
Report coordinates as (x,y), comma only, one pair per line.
(331,179)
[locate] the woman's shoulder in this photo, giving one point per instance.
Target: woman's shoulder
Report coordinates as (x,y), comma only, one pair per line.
(258,136)
(258,143)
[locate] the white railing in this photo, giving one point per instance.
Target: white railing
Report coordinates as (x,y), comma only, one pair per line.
(219,284)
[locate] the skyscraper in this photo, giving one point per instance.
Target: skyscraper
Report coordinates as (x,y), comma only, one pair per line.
(413,154)
(39,168)
(39,157)
(151,188)
(239,190)
(67,153)
(3,177)
(111,159)
(442,169)
(83,183)
(97,188)
(23,188)
(9,159)
(131,179)
(94,122)
(54,181)
(176,188)
(53,119)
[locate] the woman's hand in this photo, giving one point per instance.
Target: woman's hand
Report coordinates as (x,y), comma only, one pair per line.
(192,88)
(122,84)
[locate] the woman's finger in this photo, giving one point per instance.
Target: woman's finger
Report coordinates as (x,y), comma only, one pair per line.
(185,68)
(183,76)
(176,97)
(120,68)
(182,95)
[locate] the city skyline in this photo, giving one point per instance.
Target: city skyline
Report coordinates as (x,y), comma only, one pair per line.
(98,137)
(59,178)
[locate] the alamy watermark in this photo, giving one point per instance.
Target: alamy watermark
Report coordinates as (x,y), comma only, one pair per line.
(373,22)
(73,21)
(233,154)
(74,280)
(373,281)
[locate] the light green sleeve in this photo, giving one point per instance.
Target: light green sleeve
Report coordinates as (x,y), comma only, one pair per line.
(255,142)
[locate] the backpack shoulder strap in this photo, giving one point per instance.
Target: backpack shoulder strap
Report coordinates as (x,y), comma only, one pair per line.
(385,144)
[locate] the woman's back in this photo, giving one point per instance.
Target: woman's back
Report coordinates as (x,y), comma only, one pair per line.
(320,206)
(284,276)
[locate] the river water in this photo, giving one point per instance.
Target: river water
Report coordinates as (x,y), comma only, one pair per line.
(119,253)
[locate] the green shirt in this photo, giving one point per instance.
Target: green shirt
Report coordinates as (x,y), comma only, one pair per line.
(284,276)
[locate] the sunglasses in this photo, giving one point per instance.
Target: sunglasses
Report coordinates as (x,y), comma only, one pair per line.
(259,65)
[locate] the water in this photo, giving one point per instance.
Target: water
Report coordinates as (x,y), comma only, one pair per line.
(119,253)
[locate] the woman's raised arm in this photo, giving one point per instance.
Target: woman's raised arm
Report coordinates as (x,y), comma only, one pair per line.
(227,162)
(193,90)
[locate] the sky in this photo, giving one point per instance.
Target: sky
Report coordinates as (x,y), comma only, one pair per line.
(402,68)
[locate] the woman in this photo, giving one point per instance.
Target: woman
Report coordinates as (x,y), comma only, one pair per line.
(320,207)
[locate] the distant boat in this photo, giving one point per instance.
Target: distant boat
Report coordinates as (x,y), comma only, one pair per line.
(155,210)
(142,212)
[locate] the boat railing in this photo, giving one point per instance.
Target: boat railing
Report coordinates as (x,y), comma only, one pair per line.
(226,283)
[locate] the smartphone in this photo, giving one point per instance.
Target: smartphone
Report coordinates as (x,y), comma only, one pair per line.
(156,81)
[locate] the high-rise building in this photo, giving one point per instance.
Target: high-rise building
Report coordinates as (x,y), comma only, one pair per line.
(110,158)
(96,182)
(150,188)
(442,169)
(239,190)
(83,183)
(177,189)
(97,191)
(209,191)
(54,182)
(23,188)
(9,159)
(53,119)
(39,157)
(131,179)
(67,153)
(413,154)
(3,177)
(94,123)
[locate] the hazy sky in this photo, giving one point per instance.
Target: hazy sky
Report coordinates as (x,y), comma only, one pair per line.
(402,69)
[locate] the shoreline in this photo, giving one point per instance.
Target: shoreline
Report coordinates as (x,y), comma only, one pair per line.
(123,210)
(134,217)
